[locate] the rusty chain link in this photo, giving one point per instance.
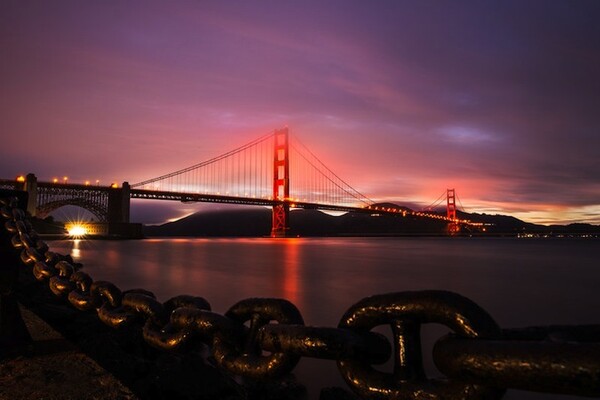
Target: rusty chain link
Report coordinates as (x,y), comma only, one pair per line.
(479,360)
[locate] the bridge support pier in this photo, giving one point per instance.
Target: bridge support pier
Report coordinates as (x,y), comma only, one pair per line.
(31,187)
(119,204)
(281,217)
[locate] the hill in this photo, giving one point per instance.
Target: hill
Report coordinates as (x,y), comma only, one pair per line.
(256,222)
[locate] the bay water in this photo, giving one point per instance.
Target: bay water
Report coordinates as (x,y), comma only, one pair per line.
(519,282)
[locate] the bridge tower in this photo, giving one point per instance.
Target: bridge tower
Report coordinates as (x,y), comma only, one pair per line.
(119,203)
(451,204)
(281,184)
(453,226)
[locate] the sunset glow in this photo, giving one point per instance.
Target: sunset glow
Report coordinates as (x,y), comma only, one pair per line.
(403,100)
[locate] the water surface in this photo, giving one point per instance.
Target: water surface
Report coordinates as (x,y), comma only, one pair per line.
(520,282)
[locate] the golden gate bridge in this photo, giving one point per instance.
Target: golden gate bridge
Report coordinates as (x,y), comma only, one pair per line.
(275,170)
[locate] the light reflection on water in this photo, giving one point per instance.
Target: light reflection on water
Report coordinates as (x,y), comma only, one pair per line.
(519,282)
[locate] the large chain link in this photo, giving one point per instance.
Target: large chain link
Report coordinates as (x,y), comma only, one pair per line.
(479,359)
(405,312)
(545,359)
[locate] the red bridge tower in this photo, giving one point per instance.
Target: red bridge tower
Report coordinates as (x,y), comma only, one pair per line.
(453,225)
(451,204)
(281,184)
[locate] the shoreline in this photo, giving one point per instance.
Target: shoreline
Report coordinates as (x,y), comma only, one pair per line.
(55,237)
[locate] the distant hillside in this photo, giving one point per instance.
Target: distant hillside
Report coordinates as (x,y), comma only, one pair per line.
(236,222)
(501,223)
(256,222)
(508,224)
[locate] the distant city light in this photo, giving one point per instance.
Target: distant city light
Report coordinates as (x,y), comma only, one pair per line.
(87,183)
(114,185)
(20,178)
(65,179)
(54,180)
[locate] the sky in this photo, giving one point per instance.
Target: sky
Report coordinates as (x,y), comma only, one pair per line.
(402,99)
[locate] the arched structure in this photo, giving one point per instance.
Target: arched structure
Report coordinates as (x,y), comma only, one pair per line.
(98,210)
(108,204)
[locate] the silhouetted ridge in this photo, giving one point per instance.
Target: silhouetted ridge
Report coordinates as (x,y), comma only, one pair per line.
(256,222)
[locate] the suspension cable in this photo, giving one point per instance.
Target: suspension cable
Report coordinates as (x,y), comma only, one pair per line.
(204,163)
(357,195)
(436,202)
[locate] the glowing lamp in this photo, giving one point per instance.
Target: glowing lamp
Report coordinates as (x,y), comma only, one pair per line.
(76,230)
(20,178)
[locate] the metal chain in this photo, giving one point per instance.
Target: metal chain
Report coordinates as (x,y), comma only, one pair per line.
(479,360)
(405,312)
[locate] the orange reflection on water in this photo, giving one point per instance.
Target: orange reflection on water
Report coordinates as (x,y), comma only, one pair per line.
(291,266)
(75,250)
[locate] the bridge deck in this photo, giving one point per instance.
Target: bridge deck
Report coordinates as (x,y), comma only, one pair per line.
(216,198)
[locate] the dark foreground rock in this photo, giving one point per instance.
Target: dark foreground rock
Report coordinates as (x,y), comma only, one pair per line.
(51,368)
